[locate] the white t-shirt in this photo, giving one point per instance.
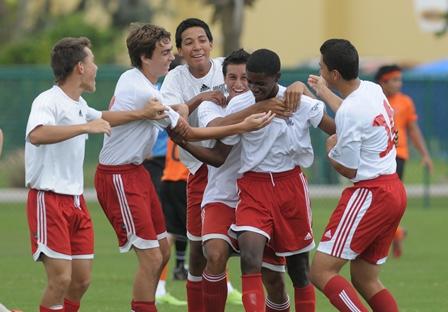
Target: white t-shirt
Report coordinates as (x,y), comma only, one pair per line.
(281,145)
(180,86)
(131,143)
(221,185)
(57,167)
(363,128)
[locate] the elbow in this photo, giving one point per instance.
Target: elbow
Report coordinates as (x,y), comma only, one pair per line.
(34,139)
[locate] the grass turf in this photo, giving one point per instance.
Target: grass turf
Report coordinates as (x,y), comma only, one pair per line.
(419,280)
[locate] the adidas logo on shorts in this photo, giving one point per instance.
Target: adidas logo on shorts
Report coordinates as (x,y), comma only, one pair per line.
(328,234)
(308,236)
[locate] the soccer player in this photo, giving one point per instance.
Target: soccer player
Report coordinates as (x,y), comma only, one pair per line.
(363,224)
(219,202)
(201,76)
(60,226)
(273,204)
(123,186)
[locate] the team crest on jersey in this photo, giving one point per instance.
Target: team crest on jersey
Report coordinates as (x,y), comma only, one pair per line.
(80,113)
(221,87)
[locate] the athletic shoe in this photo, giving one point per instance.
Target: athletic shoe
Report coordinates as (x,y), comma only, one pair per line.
(5,309)
(180,273)
(235,297)
(170,299)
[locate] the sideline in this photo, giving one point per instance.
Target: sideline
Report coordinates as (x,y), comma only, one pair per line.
(16,195)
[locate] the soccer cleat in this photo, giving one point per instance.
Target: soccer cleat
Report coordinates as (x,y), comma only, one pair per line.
(5,309)
(180,273)
(170,299)
(235,297)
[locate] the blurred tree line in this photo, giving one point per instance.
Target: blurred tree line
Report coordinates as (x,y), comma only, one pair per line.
(29,28)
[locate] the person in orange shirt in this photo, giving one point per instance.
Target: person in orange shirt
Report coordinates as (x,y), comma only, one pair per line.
(405,118)
(173,196)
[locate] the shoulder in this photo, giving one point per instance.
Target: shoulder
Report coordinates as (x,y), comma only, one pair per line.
(48,97)
(177,73)
(218,60)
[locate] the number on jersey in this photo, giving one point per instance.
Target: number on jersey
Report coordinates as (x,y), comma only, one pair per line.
(380,121)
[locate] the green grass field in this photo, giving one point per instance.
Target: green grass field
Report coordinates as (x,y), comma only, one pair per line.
(419,279)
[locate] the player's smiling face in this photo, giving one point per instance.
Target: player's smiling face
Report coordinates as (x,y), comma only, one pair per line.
(236,79)
(262,85)
(195,47)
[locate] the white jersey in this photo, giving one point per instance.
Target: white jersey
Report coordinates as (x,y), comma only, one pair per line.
(364,123)
(131,143)
(284,143)
(221,186)
(180,86)
(57,167)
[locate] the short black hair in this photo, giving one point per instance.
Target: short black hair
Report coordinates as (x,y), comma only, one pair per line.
(341,55)
(66,54)
(236,57)
(264,61)
(383,70)
(188,23)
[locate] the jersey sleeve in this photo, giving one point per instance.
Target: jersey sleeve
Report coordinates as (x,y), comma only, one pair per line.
(171,93)
(209,111)
(42,113)
(347,150)
(316,112)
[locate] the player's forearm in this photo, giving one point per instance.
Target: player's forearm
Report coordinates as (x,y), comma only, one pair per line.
(199,134)
(332,100)
(55,134)
(116,118)
(327,124)
(193,103)
(206,155)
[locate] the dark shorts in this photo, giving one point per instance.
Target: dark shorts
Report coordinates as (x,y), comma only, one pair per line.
(400,167)
(174,202)
(155,168)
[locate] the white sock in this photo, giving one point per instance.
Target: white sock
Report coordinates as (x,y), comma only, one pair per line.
(161,290)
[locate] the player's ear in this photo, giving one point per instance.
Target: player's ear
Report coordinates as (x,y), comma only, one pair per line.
(79,67)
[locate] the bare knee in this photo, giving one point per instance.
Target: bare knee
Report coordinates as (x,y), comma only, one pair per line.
(197,259)
(59,283)
(275,285)
(216,260)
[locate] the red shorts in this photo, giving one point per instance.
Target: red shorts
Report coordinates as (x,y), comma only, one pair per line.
(216,221)
(60,226)
(365,220)
(196,184)
(277,206)
(129,200)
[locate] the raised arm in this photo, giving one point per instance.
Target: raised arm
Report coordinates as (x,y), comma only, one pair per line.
(319,85)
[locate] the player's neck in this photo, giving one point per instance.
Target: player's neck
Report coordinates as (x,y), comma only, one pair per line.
(147,73)
(200,70)
(71,89)
(347,87)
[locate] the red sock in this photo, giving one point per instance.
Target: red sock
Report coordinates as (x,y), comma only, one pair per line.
(71,306)
(214,290)
(195,298)
(305,298)
(143,306)
(44,309)
(383,301)
(253,293)
(277,307)
(342,295)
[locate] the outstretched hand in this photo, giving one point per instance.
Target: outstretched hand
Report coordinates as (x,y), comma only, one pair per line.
(257,121)
(317,83)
